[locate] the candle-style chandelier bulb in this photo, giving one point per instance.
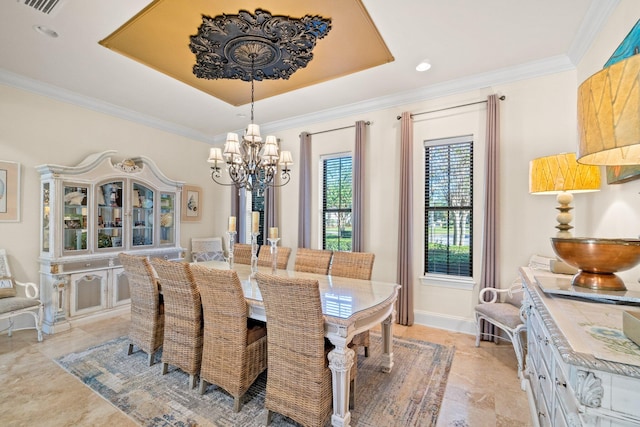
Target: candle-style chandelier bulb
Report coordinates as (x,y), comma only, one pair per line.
(251,163)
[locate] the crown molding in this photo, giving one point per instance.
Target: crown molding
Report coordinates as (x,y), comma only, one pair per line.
(530,70)
(506,75)
(593,21)
(73,98)
(595,18)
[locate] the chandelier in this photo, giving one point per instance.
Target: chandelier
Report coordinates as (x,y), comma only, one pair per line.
(252,164)
(252,47)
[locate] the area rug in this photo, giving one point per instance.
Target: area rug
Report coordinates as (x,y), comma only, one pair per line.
(410,395)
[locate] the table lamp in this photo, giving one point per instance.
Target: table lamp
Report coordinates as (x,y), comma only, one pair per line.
(562,175)
(609,115)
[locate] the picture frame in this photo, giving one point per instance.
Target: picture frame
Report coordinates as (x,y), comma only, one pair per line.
(622,174)
(9,191)
(191,203)
(627,48)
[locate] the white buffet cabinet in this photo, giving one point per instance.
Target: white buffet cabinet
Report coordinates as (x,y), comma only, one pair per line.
(91,212)
(580,368)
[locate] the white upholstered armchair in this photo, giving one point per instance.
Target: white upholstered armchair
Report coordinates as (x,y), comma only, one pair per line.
(503,308)
(207,249)
(18,298)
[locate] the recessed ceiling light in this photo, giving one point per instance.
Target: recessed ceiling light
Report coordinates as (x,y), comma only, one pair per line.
(423,66)
(46,31)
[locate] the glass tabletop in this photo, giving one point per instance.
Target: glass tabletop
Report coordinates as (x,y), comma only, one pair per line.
(341,297)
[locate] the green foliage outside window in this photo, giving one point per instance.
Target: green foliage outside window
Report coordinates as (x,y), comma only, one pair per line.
(337,197)
(449,207)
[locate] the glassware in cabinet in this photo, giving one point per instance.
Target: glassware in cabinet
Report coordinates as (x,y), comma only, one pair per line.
(167,218)
(143,201)
(109,215)
(75,218)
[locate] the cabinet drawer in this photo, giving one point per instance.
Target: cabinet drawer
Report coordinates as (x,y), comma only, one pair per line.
(567,406)
(544,415)
(625,396)
(546,384)
(84,265)
(542,338)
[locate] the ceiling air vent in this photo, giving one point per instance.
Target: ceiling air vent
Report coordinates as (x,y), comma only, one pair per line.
(44,6)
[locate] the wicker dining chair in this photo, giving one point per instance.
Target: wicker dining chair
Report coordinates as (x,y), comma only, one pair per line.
(234,349)
(146,329)
(312,261)
(282,260)
(242,253)
(355,265)
(182,345)
(299,383)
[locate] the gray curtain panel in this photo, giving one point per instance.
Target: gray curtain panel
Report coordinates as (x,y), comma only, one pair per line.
(405,223)
(304,199)
(238,201)
(358,188)
(271,203)
(490,274)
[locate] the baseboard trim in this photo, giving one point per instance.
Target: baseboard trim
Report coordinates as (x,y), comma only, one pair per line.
(66,324)
(442,321)
(105,314)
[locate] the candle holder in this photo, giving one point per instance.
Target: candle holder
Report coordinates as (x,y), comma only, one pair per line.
(232,238)
(254,253)
(274,254)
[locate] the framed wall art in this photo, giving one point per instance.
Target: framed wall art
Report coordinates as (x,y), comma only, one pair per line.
(9,191)
(191,202)
(627,48)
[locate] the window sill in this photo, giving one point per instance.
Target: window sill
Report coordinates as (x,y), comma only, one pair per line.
(444,281)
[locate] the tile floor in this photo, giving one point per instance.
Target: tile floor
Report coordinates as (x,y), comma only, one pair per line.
(483,389)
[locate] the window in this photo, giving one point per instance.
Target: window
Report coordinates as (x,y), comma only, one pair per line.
(254,202)
(257,205)
(336,203)
(448,203)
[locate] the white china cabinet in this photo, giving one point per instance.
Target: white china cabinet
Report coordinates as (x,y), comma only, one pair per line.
(90,213)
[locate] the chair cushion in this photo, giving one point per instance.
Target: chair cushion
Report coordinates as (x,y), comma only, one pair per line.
(8,305)
(7,287)
(515,299)
(255,330)
(506,314)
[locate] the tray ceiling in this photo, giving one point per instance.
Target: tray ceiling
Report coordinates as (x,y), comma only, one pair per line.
(158,36)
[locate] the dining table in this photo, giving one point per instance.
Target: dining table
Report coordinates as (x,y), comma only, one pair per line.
(349,306)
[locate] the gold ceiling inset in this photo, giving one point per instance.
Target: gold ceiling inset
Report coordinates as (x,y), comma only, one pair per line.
(158,36)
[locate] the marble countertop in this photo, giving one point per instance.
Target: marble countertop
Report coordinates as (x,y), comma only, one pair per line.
(586,332)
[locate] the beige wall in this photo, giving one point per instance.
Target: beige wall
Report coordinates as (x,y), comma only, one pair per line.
(614,212)
(538,118)
(35,130)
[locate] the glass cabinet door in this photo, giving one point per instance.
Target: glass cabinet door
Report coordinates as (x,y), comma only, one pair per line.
(109,215)
(142,201)
(74,233)
(167,218)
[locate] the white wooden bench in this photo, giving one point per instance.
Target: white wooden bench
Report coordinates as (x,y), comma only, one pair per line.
(18,298)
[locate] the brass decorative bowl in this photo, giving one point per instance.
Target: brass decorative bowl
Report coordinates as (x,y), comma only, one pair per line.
(598,259)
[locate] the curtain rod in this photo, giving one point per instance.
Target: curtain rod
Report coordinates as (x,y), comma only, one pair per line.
(501,98)
(331,130)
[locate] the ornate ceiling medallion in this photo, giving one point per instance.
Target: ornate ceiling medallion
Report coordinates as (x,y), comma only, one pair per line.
(228,46)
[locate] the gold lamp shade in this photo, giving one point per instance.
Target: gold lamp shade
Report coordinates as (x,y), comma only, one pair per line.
(561,172)
(609,115)
(562,175)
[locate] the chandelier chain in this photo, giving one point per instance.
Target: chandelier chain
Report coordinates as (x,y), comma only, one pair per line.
(253,58)
(247,166)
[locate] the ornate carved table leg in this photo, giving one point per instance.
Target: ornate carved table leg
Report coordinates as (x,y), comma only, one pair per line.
(387,342)
(340,362)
